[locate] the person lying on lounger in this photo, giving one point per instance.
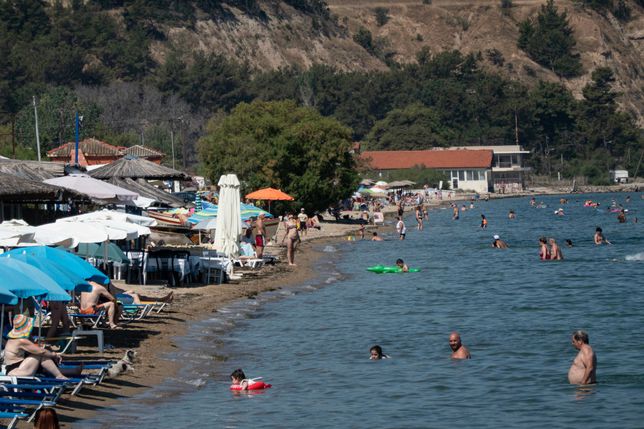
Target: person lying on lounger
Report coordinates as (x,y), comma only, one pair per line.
(23,358)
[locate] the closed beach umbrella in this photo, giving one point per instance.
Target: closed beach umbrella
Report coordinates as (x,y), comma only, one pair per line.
(228,228)
(71,262)
(65,278)
(26,281)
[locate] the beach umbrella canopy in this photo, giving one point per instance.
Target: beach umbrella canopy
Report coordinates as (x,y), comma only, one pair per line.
(208,224)
(93,188)
(25,281)
(112,215)
(71,262)
(269,194)
(93,250)
(247,211)
(228,229)
(64,277)
(80,232)
(15,231)
(6,297)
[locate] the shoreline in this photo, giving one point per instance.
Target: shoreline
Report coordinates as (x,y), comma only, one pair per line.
(156,336)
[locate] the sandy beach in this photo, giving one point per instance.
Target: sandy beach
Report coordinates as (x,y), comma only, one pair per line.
(155,336)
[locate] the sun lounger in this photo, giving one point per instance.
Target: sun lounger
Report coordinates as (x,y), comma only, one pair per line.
(14,417)
(79,319)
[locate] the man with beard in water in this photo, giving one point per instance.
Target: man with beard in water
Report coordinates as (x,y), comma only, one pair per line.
(582,370)
(459,351)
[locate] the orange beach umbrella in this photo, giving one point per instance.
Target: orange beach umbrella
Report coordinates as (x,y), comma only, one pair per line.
(269,194)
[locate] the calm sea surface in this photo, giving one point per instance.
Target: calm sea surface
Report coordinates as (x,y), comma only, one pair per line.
(514,312)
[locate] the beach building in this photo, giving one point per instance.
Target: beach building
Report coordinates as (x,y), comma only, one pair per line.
(467,169)
(508,167)
(94,152)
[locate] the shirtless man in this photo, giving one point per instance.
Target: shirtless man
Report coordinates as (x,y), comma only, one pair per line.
(498,243)
(90,305)
(459,351)
(599,237)
(260,236)
(555,250)
(376,237)
(582,370)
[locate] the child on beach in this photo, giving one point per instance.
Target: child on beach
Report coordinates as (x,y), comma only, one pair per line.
(238,378)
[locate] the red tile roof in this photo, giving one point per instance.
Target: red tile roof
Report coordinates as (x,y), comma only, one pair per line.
(142,152)
(89,147)
(440,159)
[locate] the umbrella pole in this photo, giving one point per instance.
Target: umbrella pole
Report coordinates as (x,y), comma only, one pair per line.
(105,250)
(1,327)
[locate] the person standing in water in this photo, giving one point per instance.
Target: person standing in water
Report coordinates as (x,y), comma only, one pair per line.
(544,252)
(583,368)
(401,228)
(459,351)
(555,250)
(483,221)
(455,214)
(419,217)
(498,243)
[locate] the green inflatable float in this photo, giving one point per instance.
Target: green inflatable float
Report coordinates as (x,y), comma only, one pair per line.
(381,269)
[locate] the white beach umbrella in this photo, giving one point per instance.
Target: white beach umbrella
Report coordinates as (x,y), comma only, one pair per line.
(114,228)
(14,231)
(114,215)
(80,232)
(228,229)
(93,188)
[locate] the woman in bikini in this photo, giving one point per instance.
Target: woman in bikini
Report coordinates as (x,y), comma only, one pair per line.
(24,358)
(544,252)
(291,237)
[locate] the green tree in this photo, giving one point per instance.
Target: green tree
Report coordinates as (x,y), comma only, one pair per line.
(549,41)
(414,127)
(56,120)
(601,126)
(382,15)
(282,145)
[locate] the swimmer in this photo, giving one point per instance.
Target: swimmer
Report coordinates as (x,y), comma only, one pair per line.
(483,221)
(455,214)
(511,215)
(559,212)
(376,353)
(583,368)
(401,264)
(238,378)
(621,217)
(599,237)
(376,237)
(459,351)
(569,243)
(544,252)
(533,201)
(555,250)
(498,243)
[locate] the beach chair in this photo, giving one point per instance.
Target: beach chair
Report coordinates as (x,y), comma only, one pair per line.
(14,417)
(79,319)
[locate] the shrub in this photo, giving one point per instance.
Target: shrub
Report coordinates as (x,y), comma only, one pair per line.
(382,16)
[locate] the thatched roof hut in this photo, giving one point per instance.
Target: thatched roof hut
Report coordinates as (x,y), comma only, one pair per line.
(32,170)
(137,168)
(17,189)
(143,188)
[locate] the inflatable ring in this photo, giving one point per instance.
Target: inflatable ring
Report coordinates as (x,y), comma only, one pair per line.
(252,385)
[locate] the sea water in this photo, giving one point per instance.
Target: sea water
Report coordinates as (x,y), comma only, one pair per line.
(514,312)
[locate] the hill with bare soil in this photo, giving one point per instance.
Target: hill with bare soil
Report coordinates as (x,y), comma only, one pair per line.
(288,37)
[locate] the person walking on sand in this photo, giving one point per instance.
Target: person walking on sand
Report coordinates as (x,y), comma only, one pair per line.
(291,237)
(584,366)
(260,236)
(302,219)
(401,228)
(459,351)
(555,250)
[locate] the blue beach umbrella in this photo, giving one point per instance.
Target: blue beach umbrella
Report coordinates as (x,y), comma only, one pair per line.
(6,297)
(71,262)
(25,281)
(65,278)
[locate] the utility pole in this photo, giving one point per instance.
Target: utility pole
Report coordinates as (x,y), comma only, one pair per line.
(37,133)
(172,144)
(516,128)
(77,126)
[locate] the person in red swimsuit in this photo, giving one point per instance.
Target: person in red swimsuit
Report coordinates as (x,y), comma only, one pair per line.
(544,252)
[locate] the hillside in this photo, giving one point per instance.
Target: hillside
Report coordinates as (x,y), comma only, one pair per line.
(288,37)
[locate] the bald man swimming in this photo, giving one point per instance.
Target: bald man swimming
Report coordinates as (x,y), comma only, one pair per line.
(459,351)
